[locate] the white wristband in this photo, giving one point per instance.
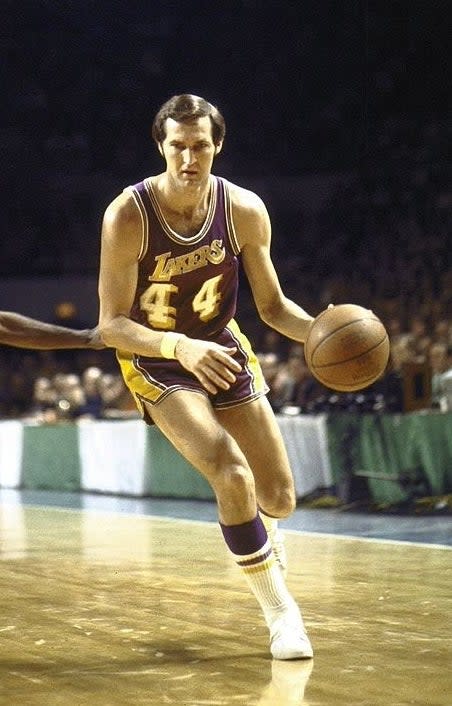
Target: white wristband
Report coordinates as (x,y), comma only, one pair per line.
(168,344)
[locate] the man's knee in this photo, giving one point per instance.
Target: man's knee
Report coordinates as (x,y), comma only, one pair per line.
(236,480)
(279,503)
(226,467)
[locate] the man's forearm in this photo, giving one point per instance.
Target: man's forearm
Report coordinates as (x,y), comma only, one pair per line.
(25,332)
(124,334)
(289,319)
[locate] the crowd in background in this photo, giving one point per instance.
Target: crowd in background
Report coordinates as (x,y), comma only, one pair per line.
(333,88)
(54,386)
(47,387)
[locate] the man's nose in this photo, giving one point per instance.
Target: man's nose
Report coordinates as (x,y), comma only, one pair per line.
(188,155)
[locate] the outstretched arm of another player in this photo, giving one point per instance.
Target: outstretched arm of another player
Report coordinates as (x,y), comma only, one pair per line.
(212,364)
(24,332)
(253,230)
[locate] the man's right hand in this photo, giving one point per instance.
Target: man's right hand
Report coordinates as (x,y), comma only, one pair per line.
(212,364)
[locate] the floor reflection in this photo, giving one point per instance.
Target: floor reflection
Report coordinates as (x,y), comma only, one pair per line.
(288,683)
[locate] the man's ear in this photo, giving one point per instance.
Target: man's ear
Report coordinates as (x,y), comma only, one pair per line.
(218,147)
(161,149)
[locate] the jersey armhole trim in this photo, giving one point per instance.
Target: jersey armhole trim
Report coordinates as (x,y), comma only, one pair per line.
(229,219)
(144,221)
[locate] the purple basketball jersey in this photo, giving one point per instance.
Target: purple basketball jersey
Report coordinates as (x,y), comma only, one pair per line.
(186,283)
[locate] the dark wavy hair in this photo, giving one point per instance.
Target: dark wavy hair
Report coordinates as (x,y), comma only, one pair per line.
(184,109)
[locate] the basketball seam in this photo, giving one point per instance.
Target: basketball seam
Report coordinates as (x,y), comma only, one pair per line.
(340,328)
(348,360)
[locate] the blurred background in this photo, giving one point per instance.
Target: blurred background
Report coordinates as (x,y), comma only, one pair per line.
(337,116)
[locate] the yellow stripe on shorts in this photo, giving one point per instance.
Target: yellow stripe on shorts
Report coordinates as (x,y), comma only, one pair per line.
(136,380)
(253,364)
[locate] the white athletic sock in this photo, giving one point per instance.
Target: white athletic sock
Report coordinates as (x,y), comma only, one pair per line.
(276,537)
(259,567)
(266,581)
(270,523)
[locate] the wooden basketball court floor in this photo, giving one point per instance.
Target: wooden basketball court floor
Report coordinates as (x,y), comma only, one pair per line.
(107,602)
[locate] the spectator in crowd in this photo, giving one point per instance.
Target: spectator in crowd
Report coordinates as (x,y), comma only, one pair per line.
(93,403)
(388,391)
(441,364)
(44,405)
(294,387)
(70,397)
(442,332)
(270,365)
(394,329)
(418,339)
(117,400)
(272,342)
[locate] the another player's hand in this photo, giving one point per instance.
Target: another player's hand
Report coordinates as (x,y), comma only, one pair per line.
(211,363)
(94,339)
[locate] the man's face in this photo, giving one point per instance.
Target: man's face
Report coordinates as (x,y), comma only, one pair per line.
(189,151)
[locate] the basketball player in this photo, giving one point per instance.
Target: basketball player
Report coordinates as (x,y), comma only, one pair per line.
(168,287)
(24,332)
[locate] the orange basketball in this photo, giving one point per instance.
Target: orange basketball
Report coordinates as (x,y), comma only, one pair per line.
(347,347)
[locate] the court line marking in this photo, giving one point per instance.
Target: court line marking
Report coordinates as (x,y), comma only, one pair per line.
(380,540)
(167,518)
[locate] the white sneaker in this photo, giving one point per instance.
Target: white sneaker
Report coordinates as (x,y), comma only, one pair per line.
(288,637)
